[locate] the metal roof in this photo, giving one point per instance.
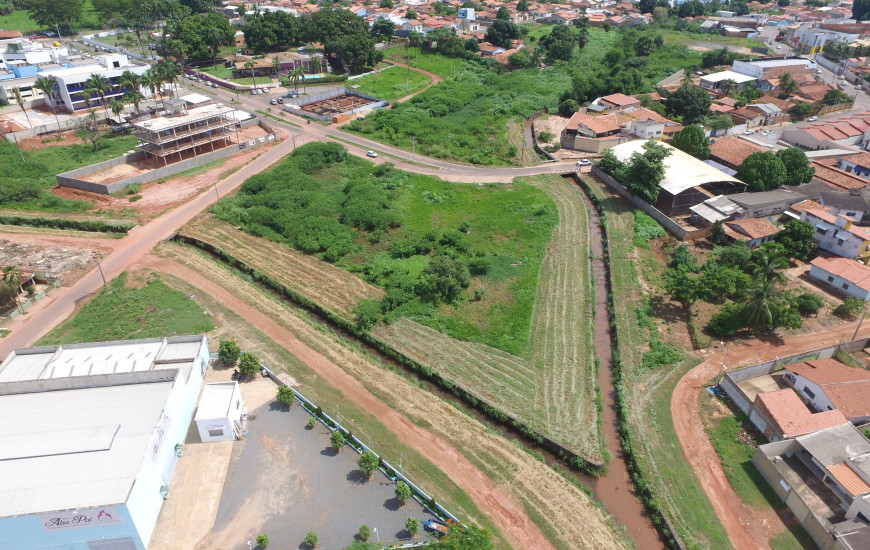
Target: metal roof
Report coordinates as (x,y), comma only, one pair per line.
(682,170)
(216,400)
(834,445)
(71,449)
(722,76)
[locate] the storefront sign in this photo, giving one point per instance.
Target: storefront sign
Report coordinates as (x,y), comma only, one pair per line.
(92,517)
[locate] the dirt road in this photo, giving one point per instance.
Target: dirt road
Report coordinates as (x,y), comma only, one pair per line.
(745,528)
(504,510)
(435,79)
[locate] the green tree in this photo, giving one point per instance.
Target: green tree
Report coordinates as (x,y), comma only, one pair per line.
(787,85)
(311,539)
(645,171)
(444,279)
(46,85)
(860,10)
(16,95)
(850,308)
(797,166)
(403,491)
(336,440)
(690,102)
(643,46)
(801,110)
(762,171)
(762,306)
(368,463)
(383,28)
(720,122)
(285,395)
(100,85)
(502,33)
(410,14)
(647,6)
(767,263)
(263,541)
(523,5)
(660,13)
(715,58)
(797,238)
(412,526)
(693,141)
(470,537)
(169,71)
(229,351)
(717,236)
(364,533)
(728,87)
(12,276)
(249,364)
(135,97)
(559,43)
(152,80)
(519,58)
(386,4)
(836,97)
(250,64)
(56,13)
(7,294)
(358,51)
(808,303)
(117,108)
(568,107)
(87,128)
(502,14)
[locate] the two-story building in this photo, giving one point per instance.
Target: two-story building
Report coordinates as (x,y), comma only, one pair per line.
(838,235)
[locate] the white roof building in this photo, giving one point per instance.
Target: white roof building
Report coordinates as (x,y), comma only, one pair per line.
(90,435)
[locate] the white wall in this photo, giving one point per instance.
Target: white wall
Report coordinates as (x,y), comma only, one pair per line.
(830,241)
(852,290)
(819,400)
(212,424)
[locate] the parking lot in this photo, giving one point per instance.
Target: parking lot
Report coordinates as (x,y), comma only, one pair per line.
(285,480)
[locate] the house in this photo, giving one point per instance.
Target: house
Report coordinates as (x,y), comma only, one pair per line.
(618,101)
(828,384)
(767,203)
(835,179)
(717,209)
(687,181)
(753,231)
(646,129)
(854,204)
(774,67)
(731,151)
(752,118)
(714,81)
(771,113)
(782,415)
(829,134)
(91,439)
(593,133)
(794,211)
(856,164)
(847,276)
(838,235)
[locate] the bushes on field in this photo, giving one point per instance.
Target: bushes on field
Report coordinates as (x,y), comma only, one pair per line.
(59,223)
(850,308)
(646,229)
(808,303)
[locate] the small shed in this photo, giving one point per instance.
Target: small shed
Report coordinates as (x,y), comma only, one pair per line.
(219,416)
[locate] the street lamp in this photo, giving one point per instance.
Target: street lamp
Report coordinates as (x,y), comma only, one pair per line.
(375,531)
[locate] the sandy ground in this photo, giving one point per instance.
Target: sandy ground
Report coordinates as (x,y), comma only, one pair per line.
(39,116)
(62,139)
(555,124)
(507,474)
(747,527)
(62,257)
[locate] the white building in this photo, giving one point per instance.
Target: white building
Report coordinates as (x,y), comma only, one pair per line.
(91,435)
(71,82)
(838,235)
(847,276)
(219,416)
(827,384)
(766,68)
(25,52)
(714,81)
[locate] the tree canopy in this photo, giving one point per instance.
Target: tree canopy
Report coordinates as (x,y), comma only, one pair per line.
(272,31)
(692,140)
(690,102)
(56,13)
(762,171)
(796,237)
(203,35)
(559,43)
(502,33)
(797,166)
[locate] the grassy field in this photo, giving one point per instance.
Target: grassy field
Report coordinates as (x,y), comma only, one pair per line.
(19,20)
(129,41)
(433,62)
(143,307)
(391,84)
(564,512)
(219,71)
(648,392)
(24,186)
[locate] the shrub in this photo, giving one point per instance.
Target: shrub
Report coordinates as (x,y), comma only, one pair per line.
(262,541)
(727,322)
(809,303)
(478,266)
(412,526)
(368,463)
(850,308)
(285,395)
(403,491)
(311,539)
(311,423)
(368,313)
(336,440)
(365,532)
(229,351)
(553,148)
(249,364)
(546,136)
(646,229)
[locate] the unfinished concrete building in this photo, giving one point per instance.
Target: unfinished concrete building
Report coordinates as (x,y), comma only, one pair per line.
(187,133)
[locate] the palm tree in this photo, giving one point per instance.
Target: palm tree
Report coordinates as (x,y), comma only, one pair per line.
(787,85)
(296,75)
(135,97)
(100,85)
(16,93)
(216,39)
(12,276)
(767,266)
(169,71)
(728,87)
(250,64)
(151,80)
(762,305)
(117,108)
(45,84)
(130,80)
(276,64)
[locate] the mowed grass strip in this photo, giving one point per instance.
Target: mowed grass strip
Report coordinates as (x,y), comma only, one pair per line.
(656,445)
(561,326)
(146,308)
(328,285)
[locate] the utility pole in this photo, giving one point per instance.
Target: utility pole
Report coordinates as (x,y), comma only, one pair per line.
(19,149)
(722,368)
(101,273)
(216,194)
(414,148)
(859,325)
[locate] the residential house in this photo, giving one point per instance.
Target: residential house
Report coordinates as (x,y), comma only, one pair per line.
(828,384)
(828,134)
(646,129)
(772,113)
(717,209)
(593,133)
(847,276)
(856,164)
(728,153)
(752,118)
(618,102)
(854,204)
(814,93)
(782,415)
(835,179)
(794,211)
(838,235)
(714,81)
(763,204)
(753,231)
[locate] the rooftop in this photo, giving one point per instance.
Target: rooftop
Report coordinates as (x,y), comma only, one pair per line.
(852,270)
(835,445)
(828,371)
(792,415)
(194,115)
(216,400)
(762,198)
(620,99)
(722,76)
(754,228)
(733,150)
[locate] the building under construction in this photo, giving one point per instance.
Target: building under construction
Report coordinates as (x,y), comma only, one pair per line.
(334,106)
(187,133)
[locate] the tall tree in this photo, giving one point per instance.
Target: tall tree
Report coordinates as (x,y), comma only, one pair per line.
(169,71)
(503,14)
(250,64)
(502,33)
(796,237)
(62,14)
(690,102)
(383,28)
(152,81)
(100,85)
(117,108)
(523,5)
(860,9)
(728,87)
(787,85)
(645,171)
(13,276)
(135,97)
(559,43)
(46,85)
(797,166)
(761,171)
(763,305)
(296,75)
(693,141)
(16,94)
(87,128)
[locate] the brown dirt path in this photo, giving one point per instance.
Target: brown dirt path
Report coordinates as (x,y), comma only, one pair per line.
(745,527)
(434,79)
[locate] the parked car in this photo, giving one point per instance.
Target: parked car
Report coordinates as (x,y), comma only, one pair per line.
(583,162)
(859,87)
(273,102)
(371,154)
(748,132)
(842,85)
(214,85)
(280,100)
(812,119)
(253,92)
(765,132)
(292,93)
(842,77)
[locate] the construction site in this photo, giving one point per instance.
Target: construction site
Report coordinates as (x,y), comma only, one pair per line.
(336,106)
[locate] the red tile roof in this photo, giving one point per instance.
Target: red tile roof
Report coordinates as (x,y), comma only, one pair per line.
(621,100)
(832,219)
(792,417)
(755,228)
(847,477)
(806,205)
(851,270)
(598,124)
(733,150)
(829,371)
(838,178)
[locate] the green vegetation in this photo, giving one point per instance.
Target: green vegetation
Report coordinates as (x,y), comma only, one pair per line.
(229,351)
(392,84)
(646,229)
(850,308)
(311,539)
(793,538)
(263,541)
(417,57)
(25,186)
(336,440)
(22,20)
(403,491)
(423,240)
(146,308)
(219,71)
(368,463)
(285,395)
(737,462)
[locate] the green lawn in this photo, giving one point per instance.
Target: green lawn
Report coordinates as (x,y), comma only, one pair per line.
(145,309)
(247,80)
(24,186)
(391,84)
(794,538)
(737,462)
(220,71)
(428,61)
(20,20)
(129,41)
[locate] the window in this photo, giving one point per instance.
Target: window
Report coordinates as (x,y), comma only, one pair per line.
(850,214)
(845,286)
(840,242)
(215,432)
(809,393)
(830,279)
(821,231)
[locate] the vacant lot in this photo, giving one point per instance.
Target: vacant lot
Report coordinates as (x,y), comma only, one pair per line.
(391,84)
(564,513)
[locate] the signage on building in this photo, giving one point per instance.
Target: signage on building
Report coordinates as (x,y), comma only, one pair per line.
(76,519)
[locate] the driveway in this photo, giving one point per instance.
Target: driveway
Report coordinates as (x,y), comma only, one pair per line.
(285,480)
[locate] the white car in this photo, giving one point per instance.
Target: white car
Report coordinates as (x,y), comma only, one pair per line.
(371,154)
(812,119)
(842,77)
(748,132)
(583,162)
(273,102)
(765,132)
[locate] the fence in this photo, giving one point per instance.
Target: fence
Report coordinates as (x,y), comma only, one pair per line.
(376,71)
(388,470)
(48,128)
(89,40)
(24,306)
(670,225)
(73,179)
